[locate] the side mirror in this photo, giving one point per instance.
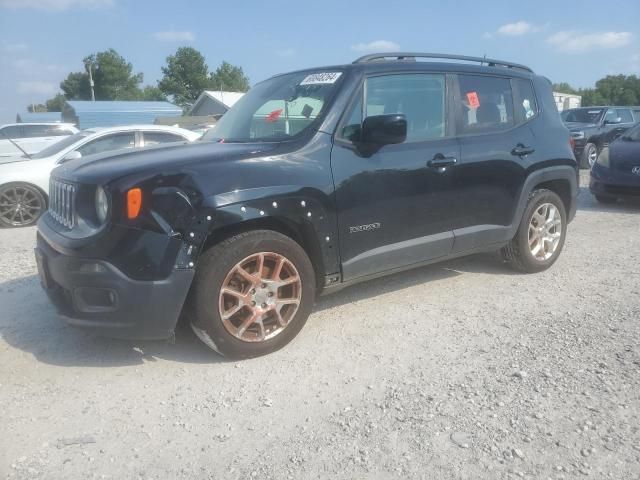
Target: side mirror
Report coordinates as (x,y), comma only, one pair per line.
(613,121)
(384,129)
(74,155)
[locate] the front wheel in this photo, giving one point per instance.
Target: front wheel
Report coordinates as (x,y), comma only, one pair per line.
(21,205)
(253,293)
(541,234)
(589,155)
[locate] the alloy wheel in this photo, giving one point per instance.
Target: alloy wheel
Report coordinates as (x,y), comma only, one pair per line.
(545,231)
(592,155)
(19,206)
(260,296)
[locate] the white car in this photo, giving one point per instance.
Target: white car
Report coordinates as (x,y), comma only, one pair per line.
(31,137)
(24,180)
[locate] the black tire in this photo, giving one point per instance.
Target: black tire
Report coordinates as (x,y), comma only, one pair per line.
(212,270)
(29,201)
(606,200)
(517,252)
(589,149)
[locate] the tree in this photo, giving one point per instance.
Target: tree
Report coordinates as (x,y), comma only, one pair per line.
(150,93)
(229,77)
(38,107)
(113,76)
(76,86)
(564,87)
(185,76)
(56,103)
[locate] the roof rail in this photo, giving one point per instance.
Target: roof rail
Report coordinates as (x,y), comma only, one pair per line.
(411,56)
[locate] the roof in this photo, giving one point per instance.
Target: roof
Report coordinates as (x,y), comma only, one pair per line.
(224,98)
(39,117)
(111,113)
(121,106)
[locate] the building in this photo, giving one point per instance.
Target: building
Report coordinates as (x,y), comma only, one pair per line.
(565,101)
(212,102)
(87,114)
(39,117)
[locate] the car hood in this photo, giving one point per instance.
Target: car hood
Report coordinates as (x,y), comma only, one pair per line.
(4,160)
(577,126)
(103,168)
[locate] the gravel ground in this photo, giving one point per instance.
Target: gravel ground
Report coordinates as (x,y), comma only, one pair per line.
(463,370)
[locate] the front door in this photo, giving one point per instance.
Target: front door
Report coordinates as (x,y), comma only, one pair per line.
(393,204)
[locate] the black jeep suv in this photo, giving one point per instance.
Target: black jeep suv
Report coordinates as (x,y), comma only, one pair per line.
(593,128)
(314,180)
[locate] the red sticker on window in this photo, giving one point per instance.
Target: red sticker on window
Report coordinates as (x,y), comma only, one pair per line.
(472,98)
(274,116)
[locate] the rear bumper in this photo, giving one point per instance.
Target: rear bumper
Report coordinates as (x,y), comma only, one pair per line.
(95,295)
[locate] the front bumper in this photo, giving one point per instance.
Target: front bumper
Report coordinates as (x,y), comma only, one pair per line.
(96,295)
(608,183)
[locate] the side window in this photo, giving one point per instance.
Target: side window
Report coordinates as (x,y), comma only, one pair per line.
(35,131)
(12,132)
(155,138)
(486,104)
(525,105)
(115,141)
(611,116)
(420,97)
(625,115)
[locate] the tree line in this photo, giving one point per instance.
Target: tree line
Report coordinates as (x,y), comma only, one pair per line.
(610,90)
(184,77)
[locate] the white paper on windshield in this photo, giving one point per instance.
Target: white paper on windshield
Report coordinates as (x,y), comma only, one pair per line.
(321,78)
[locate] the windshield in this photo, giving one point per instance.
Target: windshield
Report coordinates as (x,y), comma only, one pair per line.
(633,134)
(582,115)
(59,146)
(277,109)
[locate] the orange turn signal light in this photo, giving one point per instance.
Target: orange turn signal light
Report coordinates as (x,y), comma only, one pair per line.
(134,203)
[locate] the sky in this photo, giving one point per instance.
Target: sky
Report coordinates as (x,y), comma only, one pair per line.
(41,41)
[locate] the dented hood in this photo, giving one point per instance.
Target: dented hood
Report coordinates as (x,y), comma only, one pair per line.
(162,159)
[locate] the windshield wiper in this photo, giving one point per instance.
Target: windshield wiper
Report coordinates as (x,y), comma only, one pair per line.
(16,145)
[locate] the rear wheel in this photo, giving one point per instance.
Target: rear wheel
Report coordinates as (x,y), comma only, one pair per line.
(253,294)
(541,234)
(21,205)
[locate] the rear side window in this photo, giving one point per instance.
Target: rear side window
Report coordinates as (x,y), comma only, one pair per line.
(12,131)
(525,106)
(625,115)
(155,138)
(486,104)
(108,143)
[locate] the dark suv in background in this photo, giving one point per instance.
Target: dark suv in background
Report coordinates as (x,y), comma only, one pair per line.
(592,128)
(314,180)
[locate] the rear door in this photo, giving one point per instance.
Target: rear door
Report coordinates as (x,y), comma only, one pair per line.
(393,203)
(497,146)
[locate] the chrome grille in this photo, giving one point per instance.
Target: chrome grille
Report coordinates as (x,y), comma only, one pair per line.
(62,201)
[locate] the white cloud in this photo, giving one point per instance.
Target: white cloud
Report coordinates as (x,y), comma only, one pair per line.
(15,47)
(37,88)
(56,4)
(575,42)
(376,46)
(517,29)
(173,36)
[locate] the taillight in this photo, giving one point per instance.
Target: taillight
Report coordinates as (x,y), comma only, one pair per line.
(572,142)
(134,203)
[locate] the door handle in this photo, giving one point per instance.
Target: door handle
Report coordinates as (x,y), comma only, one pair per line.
(440,161)
(520,150)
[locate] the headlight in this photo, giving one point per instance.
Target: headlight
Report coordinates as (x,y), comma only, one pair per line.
(577,135)
(102,205)
(603,157)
